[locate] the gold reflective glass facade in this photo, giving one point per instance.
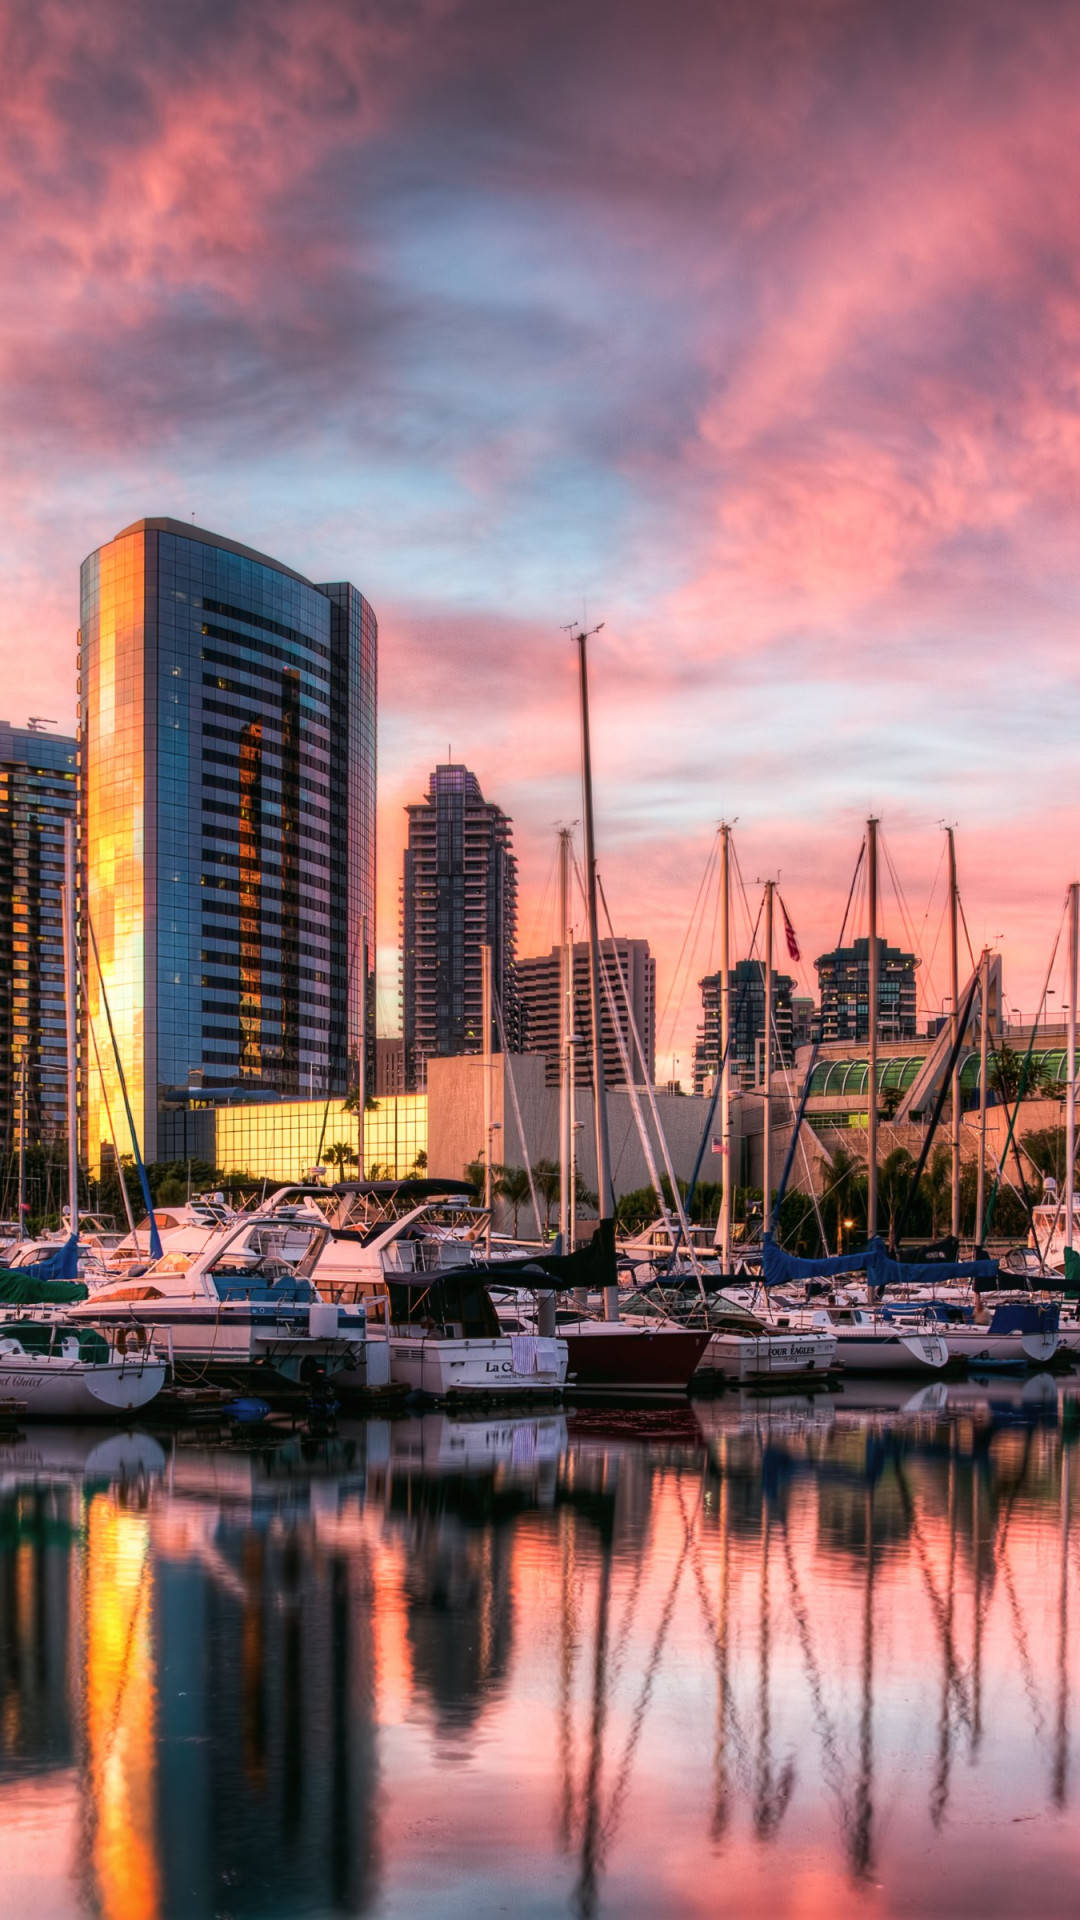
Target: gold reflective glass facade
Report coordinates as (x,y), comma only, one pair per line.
(115,746)
(283,1141)
(227,746)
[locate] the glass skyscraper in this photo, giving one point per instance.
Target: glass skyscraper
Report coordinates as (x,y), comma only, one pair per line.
(37,791)
(227,822)
(459,893)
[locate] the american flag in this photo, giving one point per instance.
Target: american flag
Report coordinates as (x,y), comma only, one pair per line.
(789,934)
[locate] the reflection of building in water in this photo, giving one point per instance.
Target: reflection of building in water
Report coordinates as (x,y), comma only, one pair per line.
(120,1699)
(460,1615)
(36,1530)
(267,1728)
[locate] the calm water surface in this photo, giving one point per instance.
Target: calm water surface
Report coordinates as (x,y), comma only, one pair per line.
(788,1658)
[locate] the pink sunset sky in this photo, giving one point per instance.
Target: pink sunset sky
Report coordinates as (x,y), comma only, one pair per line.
(752,330)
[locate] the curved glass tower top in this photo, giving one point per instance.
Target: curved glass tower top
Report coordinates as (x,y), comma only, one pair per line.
(227,751)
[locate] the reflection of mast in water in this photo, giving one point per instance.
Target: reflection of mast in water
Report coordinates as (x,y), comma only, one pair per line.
(567,1657)
(721,1786)
(585,1894)
(862,1833)
(939,1797)
(770,1796)
(1061,1728)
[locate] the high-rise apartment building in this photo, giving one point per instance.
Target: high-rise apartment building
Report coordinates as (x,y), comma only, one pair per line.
(844,980)
(227,819)
(459,894)
(37,793)
(630,971)
(747,1013)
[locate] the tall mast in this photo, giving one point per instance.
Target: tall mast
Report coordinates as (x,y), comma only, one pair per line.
(485,997)
(954,1034)
(566,978)
(22,1142)
(724,1223)
(604,1188)
(362,1063)
(766,1081)
(872,1034)
(1071,1068)
(984,1067)
(70,974)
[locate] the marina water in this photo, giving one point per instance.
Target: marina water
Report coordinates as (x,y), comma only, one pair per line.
(767,1657)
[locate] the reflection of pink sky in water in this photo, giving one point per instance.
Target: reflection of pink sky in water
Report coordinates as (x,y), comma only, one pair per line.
(509,1755)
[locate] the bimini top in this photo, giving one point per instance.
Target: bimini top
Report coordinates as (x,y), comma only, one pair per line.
(186,530)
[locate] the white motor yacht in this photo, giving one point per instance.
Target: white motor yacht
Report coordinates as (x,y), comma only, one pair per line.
(232,1311)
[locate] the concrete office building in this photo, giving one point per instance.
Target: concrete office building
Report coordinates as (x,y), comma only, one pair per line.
(227,807)
(459,894)
(630,972)
(37,794)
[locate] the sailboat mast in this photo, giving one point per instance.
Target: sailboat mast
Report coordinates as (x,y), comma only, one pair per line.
(724,1223)
(1071,1068)
(22,1143)
(984,1068)
(954,1030)
(485,998)
(872,1033)
(604,1188)
(566,992)
(70,1011)
(766,1079)
(362,1063)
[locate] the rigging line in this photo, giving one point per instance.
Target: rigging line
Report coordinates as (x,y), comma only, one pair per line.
(851,890)
(987,1220)
(650,1092)
(699,899)
(906,921)
(964,924)
(516,1104)
(124,1194)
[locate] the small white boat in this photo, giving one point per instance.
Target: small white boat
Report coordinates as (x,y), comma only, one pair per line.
(867,1342)
(746,1356)
(60,1371)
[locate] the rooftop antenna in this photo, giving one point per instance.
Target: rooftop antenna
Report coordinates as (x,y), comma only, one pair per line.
(37,723)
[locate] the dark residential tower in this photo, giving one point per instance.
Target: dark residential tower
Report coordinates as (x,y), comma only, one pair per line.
(844,981)
(459,894)
(37,792)
(227,801)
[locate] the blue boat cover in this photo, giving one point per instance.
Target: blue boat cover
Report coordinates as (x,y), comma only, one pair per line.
(63,1264)
(779,1267)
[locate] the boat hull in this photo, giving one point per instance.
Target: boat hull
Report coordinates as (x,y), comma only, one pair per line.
(981,1349)
(609,1357)
(208,1341)
(448,1369)
(51,1389)
(756,1357)
(859,1352)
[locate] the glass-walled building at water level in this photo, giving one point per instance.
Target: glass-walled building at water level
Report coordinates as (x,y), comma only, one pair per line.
(227,743)
(37,793)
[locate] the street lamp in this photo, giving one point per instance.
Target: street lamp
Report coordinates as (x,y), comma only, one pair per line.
(845,1227)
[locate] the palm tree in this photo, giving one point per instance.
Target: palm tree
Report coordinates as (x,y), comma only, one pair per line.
(894,1178)
(341,1155)
(546,1177)
(476,1172)
(512,1185)
(938,1178)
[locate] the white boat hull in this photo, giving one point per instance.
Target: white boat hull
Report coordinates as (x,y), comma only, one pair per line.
(51,1388)
(449,1369)
(213,1337)
(982,1349)
(748,1357)
(861,1352)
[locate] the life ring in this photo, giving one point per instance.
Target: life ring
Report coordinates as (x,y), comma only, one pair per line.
(132,1340)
